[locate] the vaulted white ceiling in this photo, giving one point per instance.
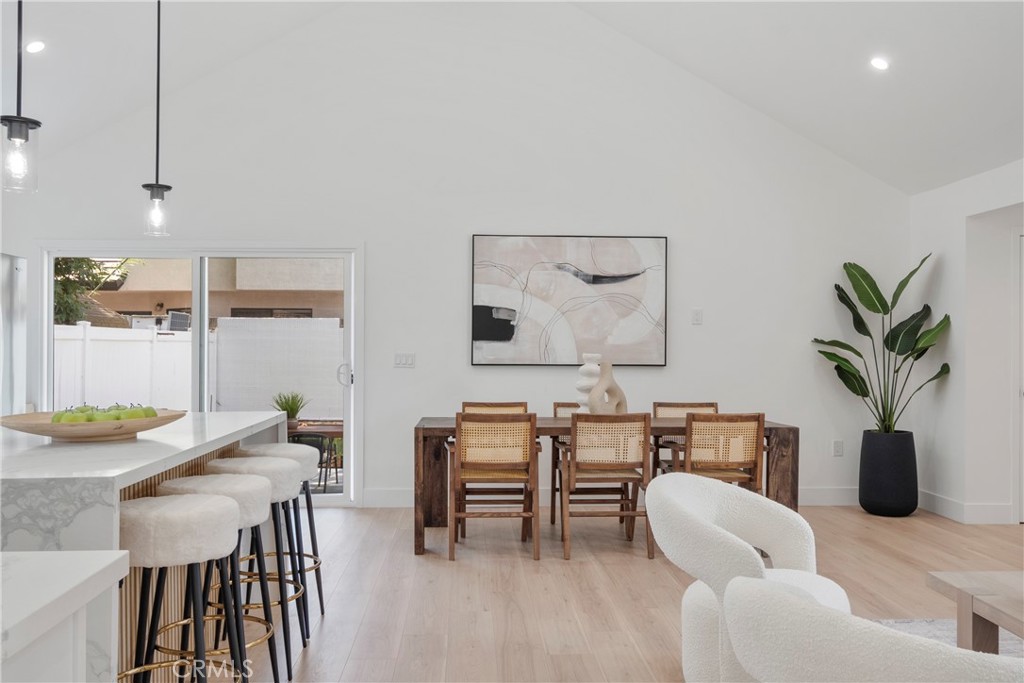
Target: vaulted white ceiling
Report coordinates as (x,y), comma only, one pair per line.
(950,106)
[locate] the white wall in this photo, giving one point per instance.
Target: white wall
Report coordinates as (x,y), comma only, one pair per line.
(967,428)
(404,129)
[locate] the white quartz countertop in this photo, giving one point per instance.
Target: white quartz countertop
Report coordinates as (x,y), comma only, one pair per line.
(41,589)
(26,456)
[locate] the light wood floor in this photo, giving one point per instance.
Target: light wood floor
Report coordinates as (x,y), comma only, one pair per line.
(609,614)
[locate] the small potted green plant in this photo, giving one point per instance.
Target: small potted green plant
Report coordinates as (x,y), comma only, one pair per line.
(291,403)
(888,461)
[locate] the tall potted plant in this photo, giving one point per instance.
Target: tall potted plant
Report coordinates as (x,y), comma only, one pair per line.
(291,403)
(888,462)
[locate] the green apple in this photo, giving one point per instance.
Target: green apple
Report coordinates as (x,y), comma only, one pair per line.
(133,413)
(116,406)
(58,417)
(150,411)
(115,414)
(103,416)
(73,417)
(84,408)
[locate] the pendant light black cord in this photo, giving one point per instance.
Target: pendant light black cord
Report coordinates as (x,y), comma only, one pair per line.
(19,57)
(157,88)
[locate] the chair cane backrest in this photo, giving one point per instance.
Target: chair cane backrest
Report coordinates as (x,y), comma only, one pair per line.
(564,408)
(666,409)
(495,440)
(724,439)
(516,407)
(610,442)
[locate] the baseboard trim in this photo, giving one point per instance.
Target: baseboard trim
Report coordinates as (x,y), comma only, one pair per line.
(940,505)
(829,495)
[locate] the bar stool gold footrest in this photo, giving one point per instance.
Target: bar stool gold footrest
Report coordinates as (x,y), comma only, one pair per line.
(298,590)
(314,563)
(184,654)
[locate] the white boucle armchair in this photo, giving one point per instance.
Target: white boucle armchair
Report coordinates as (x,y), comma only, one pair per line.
(711,530)
(781,634)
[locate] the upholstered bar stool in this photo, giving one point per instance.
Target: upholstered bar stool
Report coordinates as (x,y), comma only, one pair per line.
(168,531)
(308,459)
(252,493)
(285,480)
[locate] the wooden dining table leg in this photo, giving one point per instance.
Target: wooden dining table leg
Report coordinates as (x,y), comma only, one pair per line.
(783,464)
(430,471)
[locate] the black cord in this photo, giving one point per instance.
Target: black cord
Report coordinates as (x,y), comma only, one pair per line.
(19,57)
(157,89)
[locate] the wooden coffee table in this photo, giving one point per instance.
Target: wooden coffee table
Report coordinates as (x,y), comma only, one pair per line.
(985,602)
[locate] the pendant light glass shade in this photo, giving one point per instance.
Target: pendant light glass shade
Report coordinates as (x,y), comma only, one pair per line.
(156,210)
(19,154)
(19,145)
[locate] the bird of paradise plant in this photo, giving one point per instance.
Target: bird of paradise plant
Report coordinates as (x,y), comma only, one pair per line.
(883,384)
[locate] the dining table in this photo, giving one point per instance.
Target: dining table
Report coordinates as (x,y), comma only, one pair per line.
(332,429)
(430,468)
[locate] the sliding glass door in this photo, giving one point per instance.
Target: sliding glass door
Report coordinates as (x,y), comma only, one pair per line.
(210,331)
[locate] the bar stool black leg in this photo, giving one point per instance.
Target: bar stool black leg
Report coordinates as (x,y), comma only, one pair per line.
(230,626)
(154,621)
(314,544)
(236,582)
(302,561)
(186,613)
(198,610)
(261,563)
(296,572)
(282,587)
(140,629)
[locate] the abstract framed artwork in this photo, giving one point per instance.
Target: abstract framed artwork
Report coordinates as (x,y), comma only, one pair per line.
(548,299)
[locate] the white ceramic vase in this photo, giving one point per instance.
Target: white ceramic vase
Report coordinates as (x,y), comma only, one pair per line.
(607,397)
(590,371)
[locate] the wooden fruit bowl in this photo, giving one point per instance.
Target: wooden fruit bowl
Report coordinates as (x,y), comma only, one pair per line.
(114,430)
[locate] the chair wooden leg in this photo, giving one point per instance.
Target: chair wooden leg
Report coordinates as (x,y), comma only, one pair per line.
(566,541)
(650,537)
(453,529)
(631,522)
(535,521)
(463,507)
(554,478)
(623,506)
(524,533)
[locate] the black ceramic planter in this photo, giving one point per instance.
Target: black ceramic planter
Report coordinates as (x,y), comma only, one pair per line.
(888,473)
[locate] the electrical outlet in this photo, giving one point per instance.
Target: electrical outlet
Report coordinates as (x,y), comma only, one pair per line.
(837,448)
(697,316)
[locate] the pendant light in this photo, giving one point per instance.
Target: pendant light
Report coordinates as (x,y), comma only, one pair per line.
(156,214)
(19,148)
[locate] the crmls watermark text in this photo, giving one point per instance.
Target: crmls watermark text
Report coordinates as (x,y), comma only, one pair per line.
(212,668)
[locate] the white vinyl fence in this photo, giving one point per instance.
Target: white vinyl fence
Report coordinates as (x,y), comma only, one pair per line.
(104,365)
(251,359)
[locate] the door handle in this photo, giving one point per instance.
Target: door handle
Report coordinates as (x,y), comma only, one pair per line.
(346,377)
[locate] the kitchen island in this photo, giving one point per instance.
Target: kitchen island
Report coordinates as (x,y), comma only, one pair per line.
(66,496)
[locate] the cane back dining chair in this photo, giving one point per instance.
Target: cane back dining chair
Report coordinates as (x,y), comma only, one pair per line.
(493,408)
(495,448)
(515,407)
(559,409)
(607,457)
(725,446)
(674,409)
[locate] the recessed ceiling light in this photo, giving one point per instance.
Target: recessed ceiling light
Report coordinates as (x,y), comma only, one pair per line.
(35,46)
(880,63)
